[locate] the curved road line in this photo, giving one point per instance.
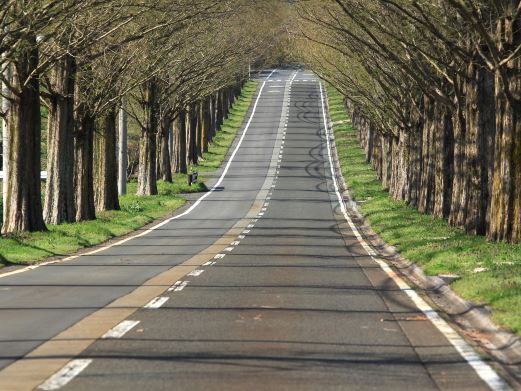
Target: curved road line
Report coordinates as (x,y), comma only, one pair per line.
(186,212)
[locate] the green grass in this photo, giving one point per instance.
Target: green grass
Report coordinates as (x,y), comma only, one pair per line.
(429,241)
(220,145)
(66,238)
(135,211)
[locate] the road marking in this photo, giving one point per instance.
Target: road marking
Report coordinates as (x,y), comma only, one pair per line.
(156,303)
(250,226)
(216,187)
(65,375)
(241,237)
(246,231)
(219,256)
(229,249)
(121,329)
(484,371)
(196,272)
(181,286)
(176,284)
(235,243)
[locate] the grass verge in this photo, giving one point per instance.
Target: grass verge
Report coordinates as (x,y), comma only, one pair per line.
(135,211)
(220,145)
(490,272)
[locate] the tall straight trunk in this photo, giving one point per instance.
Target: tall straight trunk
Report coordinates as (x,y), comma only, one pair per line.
(105,163)
(200,134)
(213,117)
(59,195)
(122,149)
(387,161)
(414,157)
(147,180)
(180,165)
(443,159)
(427,179)
(23,196)
(205,124)
(479,151)
(164,169)
(458,208)
(83,163)
(219,114)
(505,204)
(192,134)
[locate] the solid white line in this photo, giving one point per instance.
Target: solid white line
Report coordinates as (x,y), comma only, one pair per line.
(186,212)
(484,371)
(196,272)
(121,329)
(156,303)
(65,375)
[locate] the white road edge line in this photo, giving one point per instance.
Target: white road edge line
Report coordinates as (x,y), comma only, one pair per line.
(65,375)
(121,329)
(484,371)
(156,303)
(186,212)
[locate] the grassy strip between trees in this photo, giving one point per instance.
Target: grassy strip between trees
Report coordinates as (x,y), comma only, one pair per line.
(135,211)
(490,272)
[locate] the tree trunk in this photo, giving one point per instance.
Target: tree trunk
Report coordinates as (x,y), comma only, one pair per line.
(83,164)
(427,179)
(105,163)
(147,180)
(443,159)
(192,134)
(458,209)
(180,165)
(23,198)
(59,195)
(505,205)
(164,169)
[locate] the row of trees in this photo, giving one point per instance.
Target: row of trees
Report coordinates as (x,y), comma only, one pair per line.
(434,88)
(173,65)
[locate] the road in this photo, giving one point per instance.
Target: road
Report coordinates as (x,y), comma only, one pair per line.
(261,285)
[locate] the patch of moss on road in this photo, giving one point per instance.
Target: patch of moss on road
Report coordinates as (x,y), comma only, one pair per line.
(429,241)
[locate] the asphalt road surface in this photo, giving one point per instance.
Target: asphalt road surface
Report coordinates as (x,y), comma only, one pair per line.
(280,293)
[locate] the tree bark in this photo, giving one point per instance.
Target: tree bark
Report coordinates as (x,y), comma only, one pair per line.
(147,180)
(83,164)
(59,195)
(164,169)
(23,198)
(505,205)
(105,163)
(192,134)
(427,179)
(443,159)
(180,165)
